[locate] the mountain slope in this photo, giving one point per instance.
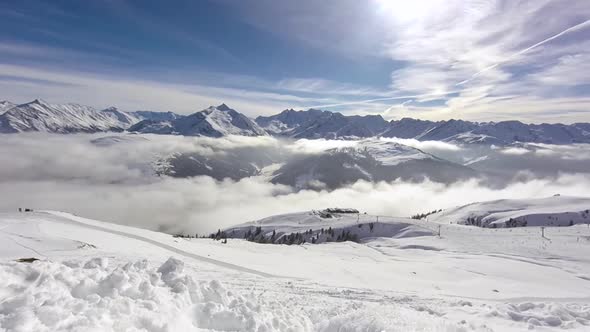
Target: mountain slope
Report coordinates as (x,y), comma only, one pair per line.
(321,124)
(213,122)
(323,226)
(67,118)
(5,106)
(370,160)
(124,118)
(324,124)
(155,116)
(39,115)
(499,133)
(551,211)
(312,124)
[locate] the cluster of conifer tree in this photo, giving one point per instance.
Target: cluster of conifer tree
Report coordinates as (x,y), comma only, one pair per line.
(186,236)
(510,223)
(424,215)
(309,236)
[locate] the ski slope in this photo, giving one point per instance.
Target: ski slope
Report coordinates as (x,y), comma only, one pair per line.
(98,276)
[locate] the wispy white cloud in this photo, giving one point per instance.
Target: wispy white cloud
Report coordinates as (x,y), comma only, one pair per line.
(328,87)
(576,27)
(104,86)
(26,83)
(493,49)
(474,56)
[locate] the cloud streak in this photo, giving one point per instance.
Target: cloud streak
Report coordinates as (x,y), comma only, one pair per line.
(576,27)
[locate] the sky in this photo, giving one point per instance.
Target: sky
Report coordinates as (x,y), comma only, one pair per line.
(480,60)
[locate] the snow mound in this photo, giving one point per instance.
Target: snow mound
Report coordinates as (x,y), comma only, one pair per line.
(551,211)
(81,296)
(566,316)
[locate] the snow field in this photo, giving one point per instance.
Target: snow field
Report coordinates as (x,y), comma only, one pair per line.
(96,276)
(95,296)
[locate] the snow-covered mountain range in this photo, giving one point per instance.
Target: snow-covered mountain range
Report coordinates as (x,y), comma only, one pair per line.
(39,115)
(371,160)
(217,121)
(324,124)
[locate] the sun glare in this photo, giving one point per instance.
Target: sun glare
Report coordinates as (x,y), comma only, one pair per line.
(404,11)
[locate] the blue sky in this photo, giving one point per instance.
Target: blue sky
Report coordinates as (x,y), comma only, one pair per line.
(434,59)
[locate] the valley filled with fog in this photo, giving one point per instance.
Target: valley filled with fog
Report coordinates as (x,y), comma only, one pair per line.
(200,184)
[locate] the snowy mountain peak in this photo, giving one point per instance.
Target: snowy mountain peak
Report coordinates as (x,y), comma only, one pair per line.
(315,123)
(40,102)
(5,105)
(215,121)
(372,160)
(39,115)
(224,107)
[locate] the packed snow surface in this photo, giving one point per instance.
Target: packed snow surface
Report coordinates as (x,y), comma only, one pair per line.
(96,276)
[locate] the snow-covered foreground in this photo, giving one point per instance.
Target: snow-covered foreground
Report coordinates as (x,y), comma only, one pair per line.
(95,276)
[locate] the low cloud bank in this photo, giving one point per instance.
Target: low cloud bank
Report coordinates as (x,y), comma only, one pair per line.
(428,146)
(201,204)
(114,181)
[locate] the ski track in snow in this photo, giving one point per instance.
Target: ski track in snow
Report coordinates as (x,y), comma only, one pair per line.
(167,247)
